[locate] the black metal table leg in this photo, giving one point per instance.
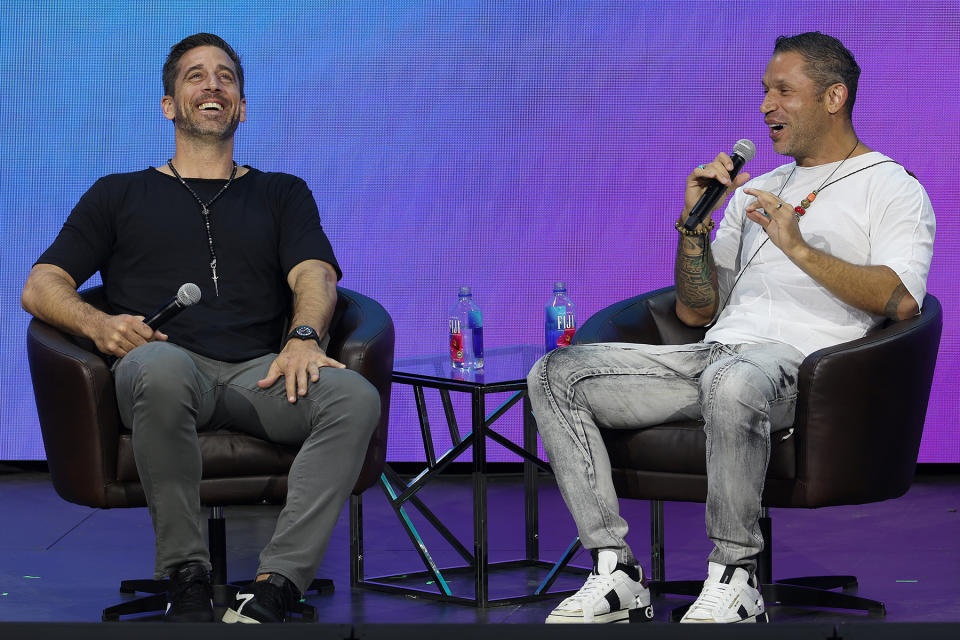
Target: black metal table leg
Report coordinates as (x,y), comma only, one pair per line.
(480,543)
(531,507)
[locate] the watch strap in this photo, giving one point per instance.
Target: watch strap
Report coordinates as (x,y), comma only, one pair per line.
(303,332)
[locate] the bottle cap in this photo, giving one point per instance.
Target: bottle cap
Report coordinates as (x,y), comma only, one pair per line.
(559,286)
(464,291)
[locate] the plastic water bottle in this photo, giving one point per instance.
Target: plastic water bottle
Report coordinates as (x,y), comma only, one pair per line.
(560,319)
(466,332)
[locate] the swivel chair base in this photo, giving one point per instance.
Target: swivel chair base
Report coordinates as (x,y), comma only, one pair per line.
(811,591)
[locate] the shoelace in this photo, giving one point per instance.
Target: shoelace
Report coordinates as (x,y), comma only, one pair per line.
(716,594)
(590,593)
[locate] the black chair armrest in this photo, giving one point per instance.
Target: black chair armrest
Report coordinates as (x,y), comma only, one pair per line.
(649,318)
(862,406)
(362,338)
(77,408)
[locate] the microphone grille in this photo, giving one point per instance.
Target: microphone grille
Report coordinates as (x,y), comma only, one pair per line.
(745,149)
(188,294)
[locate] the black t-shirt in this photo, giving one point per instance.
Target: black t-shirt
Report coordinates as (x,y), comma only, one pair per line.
(145,234)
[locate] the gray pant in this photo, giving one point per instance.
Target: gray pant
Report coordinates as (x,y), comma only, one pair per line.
(167,393)
(743,393)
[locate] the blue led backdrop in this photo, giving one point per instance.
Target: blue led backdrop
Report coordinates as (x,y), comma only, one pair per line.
(497,144)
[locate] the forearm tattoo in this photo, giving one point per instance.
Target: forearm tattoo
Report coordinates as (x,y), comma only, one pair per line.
(695,276)
(892,310)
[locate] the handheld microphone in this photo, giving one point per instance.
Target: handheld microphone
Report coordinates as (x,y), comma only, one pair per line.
(188,294)
(742,152)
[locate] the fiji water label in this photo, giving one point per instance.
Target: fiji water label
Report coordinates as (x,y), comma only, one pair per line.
(456,340)
(559,327)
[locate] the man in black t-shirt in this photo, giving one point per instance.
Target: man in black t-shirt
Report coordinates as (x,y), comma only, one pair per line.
(253,243)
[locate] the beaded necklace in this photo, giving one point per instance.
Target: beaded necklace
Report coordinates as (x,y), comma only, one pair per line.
(801,209)
(205,212)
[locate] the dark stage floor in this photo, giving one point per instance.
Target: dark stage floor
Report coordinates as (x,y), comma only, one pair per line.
(63,563)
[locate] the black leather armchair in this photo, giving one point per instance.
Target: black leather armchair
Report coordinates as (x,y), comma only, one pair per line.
(855,439)
(89,451)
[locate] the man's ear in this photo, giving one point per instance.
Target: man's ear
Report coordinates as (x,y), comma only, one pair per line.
(837,95)
(168,108)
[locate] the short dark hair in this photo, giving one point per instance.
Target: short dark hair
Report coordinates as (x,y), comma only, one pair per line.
(828,61)
(178,50)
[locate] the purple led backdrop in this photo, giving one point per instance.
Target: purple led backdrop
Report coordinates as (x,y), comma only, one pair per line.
(502,145)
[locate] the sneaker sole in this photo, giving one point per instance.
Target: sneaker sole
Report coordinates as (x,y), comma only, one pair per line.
(231,617)
(622,616)
(760,618)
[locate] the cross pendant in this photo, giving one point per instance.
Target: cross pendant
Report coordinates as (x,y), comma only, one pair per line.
(213,271)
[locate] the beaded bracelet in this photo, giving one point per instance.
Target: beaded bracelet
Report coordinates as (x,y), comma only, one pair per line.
(701,229)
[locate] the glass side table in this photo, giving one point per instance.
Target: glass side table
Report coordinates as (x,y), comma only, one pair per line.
(505,370)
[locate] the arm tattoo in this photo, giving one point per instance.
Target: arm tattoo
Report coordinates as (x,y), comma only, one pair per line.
(892,310)
(695,276)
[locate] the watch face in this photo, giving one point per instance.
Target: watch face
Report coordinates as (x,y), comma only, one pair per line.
(306,332)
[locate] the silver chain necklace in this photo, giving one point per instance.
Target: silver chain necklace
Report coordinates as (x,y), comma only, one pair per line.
(205,212)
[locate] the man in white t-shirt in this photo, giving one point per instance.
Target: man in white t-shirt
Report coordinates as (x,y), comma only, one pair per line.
(812,254)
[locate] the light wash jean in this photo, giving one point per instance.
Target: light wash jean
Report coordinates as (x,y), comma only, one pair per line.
(166,394)
(743,392)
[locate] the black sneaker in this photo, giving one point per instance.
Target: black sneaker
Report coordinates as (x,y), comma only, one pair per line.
(190,598)
(263,601)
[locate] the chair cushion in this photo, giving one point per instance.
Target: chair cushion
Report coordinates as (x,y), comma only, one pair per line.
(680,447)
(237,469)
(225,454)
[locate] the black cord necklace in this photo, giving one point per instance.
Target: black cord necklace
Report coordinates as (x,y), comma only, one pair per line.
(796,214)
(205,211)
(801,209)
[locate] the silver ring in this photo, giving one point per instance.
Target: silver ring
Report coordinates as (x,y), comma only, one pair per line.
(779,205)
(701,166)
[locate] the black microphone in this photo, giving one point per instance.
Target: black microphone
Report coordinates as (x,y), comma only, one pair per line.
(742,152)
(188,294)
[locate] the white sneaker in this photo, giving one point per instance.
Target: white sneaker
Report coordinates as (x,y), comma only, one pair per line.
(612,593)
(729,594)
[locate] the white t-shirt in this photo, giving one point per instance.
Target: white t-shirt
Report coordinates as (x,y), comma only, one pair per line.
(879,216)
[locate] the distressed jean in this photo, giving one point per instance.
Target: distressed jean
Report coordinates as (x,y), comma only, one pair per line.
(743,393)
(166,394)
